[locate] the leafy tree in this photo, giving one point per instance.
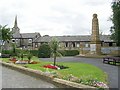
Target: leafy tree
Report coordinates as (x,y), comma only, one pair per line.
(5,33)
(54,44)
(44,51)
(115,29)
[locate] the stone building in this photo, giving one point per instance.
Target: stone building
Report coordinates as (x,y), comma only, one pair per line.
(23,40)
(79,42)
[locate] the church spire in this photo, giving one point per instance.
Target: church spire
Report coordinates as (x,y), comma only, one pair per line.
(15,24)
(15,29)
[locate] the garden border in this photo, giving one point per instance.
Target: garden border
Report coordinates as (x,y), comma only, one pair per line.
(60,83)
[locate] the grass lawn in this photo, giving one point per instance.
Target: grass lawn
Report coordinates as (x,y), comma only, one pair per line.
(80,70)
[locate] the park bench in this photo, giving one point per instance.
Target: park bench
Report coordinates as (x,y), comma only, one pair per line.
(111,60)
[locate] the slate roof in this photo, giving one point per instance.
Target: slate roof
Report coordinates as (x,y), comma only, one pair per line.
(16,35)
(24,35)
(105,38)
(28,35)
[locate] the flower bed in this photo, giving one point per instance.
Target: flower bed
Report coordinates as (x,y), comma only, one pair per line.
(55,67)
(34,62)
(22,62)
(13,60)
(51,66)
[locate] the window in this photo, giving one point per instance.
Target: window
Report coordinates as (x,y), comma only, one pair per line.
(16,40)
(36,45)
(36,36)
(86,45)
(110,44)
(73,43)
(78,45)
(66,44)
(30,40)
(13,40)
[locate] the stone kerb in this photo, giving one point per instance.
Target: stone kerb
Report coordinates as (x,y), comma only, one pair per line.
(60,83)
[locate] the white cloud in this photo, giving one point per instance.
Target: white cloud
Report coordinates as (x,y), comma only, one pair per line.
(56,17)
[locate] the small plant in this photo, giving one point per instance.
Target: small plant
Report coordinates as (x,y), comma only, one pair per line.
(18,55)
(93,82)
(29,56)
(21,54)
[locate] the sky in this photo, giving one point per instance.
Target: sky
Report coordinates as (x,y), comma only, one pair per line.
(56,17)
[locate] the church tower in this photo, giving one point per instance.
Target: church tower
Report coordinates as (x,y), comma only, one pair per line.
(95,45)
(15,29)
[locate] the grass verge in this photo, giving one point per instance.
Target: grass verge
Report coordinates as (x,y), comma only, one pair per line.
(79,70)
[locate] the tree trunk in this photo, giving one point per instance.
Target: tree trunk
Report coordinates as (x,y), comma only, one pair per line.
(29,61)
(54,60)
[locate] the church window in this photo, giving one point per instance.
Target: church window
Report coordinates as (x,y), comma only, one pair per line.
(13,40)
(36,45)
(30,40)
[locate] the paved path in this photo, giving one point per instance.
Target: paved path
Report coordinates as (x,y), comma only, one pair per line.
(15,79)
(111,70)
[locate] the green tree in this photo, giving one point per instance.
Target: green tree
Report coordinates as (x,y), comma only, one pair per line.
(44,51)
(5,34)
(115,29)
(54,44)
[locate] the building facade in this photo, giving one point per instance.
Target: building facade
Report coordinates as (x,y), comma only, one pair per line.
(23,40)
(79,42)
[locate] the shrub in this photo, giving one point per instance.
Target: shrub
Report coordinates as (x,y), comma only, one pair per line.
(44,51)
(34,52)
(29,56)
(69,52)
(6,51)
(63,53)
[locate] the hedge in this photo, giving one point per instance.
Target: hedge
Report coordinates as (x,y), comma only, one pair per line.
(69,52)
(6,51)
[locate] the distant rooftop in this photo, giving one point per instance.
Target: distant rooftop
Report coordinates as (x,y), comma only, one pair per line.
(47,38)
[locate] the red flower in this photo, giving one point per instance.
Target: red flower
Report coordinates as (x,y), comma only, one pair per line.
(51,66)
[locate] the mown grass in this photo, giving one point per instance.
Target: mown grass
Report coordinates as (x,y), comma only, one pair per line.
(80,70)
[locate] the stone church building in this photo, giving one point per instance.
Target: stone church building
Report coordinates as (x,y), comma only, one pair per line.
(79,42)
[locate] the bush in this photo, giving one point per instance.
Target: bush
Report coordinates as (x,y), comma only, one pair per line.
(69,52)
(6,51)
(63,53)
(44,51)
(34,52)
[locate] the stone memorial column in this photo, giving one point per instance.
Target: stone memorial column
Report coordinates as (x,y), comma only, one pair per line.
(95,44)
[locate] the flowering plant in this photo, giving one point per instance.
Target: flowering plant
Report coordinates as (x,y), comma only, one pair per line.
(51,66)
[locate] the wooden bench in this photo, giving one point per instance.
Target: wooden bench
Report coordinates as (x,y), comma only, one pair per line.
(114,60)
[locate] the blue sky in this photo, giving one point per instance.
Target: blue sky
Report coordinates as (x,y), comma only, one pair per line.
(56,17)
